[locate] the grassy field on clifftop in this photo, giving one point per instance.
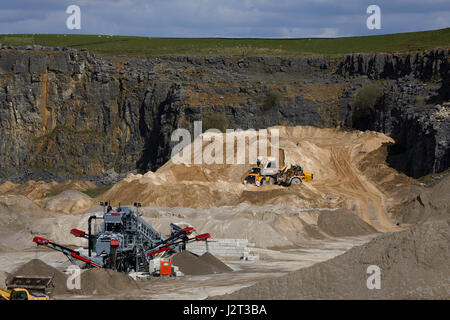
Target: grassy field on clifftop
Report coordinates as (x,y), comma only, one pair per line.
(147,46)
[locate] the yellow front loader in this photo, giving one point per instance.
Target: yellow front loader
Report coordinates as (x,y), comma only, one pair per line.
(267,172)
(22,294)
(27,288)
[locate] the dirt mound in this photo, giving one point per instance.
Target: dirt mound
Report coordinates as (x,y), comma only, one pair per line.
(105,282)
(191,264)
(334,156)
(218,266)
(69,202)
(341,223)
(267,226)
(56,229)
(93,281)
(37,267)
(17,215)
(44,198)
(12,207)
(37,190)
(413,263)
(426,203)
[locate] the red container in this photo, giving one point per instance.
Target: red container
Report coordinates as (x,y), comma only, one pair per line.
(165,268)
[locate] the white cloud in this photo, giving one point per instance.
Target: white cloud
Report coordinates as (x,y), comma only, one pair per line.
(220,18)
(328,33)
(292,33)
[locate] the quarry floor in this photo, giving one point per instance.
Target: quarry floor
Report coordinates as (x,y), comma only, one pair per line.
(350,174)
(273,263)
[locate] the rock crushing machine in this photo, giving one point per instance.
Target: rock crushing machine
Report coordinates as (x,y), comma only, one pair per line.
(124,241)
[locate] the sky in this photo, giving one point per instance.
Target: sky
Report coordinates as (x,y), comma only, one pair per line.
(223,18)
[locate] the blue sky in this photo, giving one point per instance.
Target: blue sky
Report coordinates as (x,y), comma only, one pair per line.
(223,18)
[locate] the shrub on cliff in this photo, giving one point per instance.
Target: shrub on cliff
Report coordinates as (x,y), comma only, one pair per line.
(215,121)
(271,101)
(366,98)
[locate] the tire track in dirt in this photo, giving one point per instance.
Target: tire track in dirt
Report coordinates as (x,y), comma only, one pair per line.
(351,183)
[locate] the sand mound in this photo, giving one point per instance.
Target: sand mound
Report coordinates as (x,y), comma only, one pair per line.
(17,215)
(191,264)
(105,282)
(12,207)
(39,198)
(341,223)
(58,228)
(267,226)
(20,232)
(414,265)
(333,155)
(218,266)
(426,203)
(37,190)
(93,281)
(37,267)
(21,219)
(69,202)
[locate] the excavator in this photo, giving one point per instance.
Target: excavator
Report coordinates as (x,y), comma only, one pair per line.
(268,172)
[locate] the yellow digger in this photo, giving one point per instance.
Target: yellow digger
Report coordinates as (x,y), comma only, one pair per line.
(27,288)
(294,175)
(255,177)
(267,172)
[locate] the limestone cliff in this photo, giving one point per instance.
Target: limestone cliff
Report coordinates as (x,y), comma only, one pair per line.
(73,113)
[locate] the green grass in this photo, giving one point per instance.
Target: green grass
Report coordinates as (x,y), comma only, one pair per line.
(146,46)
(95,192)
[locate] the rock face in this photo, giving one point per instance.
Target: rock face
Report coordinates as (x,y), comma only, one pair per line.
(424,66)
(66,113)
